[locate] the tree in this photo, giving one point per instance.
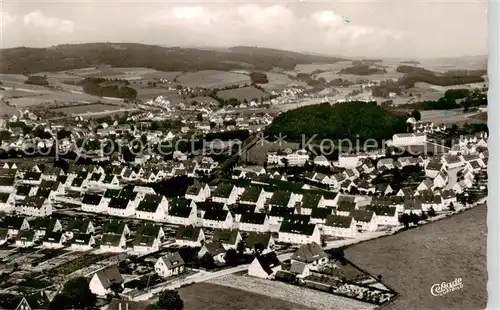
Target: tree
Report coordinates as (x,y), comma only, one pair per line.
(416,115)
(431,212)
(405,220)
(75,294)
(423,216)
(258,248)
(240,247)
(232,257)
(414,218)
(168,300)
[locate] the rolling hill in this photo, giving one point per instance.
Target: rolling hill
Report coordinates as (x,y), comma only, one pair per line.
(73,56)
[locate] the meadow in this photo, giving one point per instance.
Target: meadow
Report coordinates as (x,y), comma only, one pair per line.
(212,78)
(410,262)
(210,296)
(242,93)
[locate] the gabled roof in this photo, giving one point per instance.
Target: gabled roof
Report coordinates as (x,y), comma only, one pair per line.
(413,205)
(188,233)
(91,199)
(223,190)
(297,228)
(53,237)
(111,239)
(118,203)
(382,210)
(143,240)
(44,223)
(228,236)
(32,176)
(13,222)
(253,218)
(434,165)
(4,197)
(33,202)
(345,206)
(209,205)
(109,276)
(26,235)
(362,215)
(253,238)
(180,202)
(309,253)
(150,203)
(78,225)
(24,189)
(268,261)
(180,211)
(7,181)
(447,193)
(338,221)
(38,300)
(251,194)
(215,215)
(214,248)
(149,229)
(310,200)
(320,213)
(172,260)
(114,227)
(194,189)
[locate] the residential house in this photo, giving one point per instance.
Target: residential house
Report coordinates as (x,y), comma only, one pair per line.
(32,178)
(35,301)
(43,225)
(239,209)
(281,199)
(198,192)
(82,242)
(113,243)
(318,215)
(385,162)
(94,203)
(229,238)
(277,214)
(448,196)
(427,184)
(340,226)
(104,280)
(264,266)
(35,206)
(15,224)
(451,161)
(189,236)
(441,179)
(405,192)
(7,184)
(345,208)
(321,160)
(153,208)
(54,240)
(254,195)
(310,254)
(25,190)
(214,249)
(169,265)
(252,221)
(225,193)
(299,270)
(365,220)
(216,218)
(148,238)
(385,215)
(297,229)
(79,226)
(25,238)
(259,242)
(413,206)
(384,188)
(121,206)
(431,200)
(183,214)
(7,202)
(433,168)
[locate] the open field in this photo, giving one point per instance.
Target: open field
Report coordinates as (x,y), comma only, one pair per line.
(410,262)
(242,93)
(306,298)
(94,108)
(448,116)
(7,110)
(212,296)
(212,78)
(146,94)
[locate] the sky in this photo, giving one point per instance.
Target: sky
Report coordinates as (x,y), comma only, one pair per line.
(376,28)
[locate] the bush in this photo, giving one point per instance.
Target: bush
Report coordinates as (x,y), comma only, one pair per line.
(37,80)
(258,78)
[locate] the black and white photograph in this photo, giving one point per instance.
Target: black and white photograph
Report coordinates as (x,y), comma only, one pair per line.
(257,155)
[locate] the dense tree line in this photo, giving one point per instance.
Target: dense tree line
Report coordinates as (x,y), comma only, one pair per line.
(37,80)
(345,120)
(456,77)
(93,86)
(466,100)
(67,57)
(258,78)
(362,69)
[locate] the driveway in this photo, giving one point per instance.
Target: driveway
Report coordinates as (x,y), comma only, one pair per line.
(452,177)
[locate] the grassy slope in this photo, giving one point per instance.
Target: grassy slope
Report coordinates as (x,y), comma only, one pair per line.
(214,297)
(411,262)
